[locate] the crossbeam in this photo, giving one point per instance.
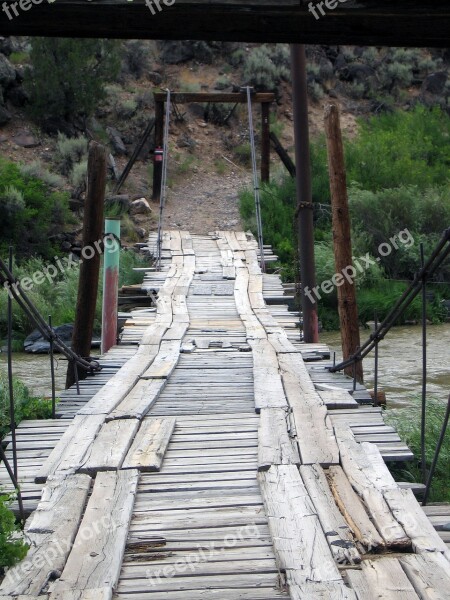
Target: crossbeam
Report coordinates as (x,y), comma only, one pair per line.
(366,22)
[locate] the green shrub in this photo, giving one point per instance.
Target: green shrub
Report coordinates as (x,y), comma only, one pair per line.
(25,405)
(266,66)
(126,109)
(68,76)
(400,148)
(69,152)
(277,213)
(12,545)
(135,57)
(79,172)
(37,170)
(30,212)
(243,153)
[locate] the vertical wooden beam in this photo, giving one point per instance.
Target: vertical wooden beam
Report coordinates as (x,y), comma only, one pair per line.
(346,291)
(265,142)
(304,210)
(159,140)
(90,265)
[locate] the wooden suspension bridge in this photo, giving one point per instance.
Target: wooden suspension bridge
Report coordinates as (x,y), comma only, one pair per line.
(215,456)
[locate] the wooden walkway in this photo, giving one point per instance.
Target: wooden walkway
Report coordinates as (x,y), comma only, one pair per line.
(216,457)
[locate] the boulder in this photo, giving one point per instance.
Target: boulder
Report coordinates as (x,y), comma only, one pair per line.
(36,344)
(25,139)
(7,72)
(17,95)
(155,77)
(5,116)
(435,83)
(116,141)
(140,207)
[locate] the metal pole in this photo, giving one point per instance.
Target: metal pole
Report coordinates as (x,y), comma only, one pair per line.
(162,191)
(110,283)
(14,482)
(52,371)
(255,182)
(437,452)
(12,412)
(423,455)
(304,194)
(375,383)
(75,372)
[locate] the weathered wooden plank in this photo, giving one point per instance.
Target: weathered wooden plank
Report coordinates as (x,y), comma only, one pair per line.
(140,400)
(337,532)
(414,521)
(115,390)
(275,446)
(52,532)
(268,387)
(165,361)
(353,510)
(60,503)
(95,594)
(299,541)
(69,452)
(299,589)
(148,449)
(382,578)
(110,447)
(429,575)
(369,476)
(95,562)
(337,399)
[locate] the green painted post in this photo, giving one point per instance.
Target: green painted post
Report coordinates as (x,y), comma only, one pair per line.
(110,282)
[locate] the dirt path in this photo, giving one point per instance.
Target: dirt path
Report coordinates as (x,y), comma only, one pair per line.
(206,201)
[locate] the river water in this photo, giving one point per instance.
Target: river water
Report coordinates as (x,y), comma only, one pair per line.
(400,364)
(34,371)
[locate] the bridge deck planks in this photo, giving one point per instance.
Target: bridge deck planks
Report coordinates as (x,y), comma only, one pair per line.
(206,490)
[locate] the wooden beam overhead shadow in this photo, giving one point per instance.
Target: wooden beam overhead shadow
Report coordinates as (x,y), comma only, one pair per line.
(362,22)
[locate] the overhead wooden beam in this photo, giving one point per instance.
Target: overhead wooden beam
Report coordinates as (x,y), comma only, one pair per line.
(363,22)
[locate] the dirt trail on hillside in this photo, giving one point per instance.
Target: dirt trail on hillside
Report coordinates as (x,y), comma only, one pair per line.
(206,201)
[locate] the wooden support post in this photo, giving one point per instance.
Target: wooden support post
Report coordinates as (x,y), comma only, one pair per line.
(346,291)
(284,156)
(159,140)
(265,142)
(304,210)
(90,267)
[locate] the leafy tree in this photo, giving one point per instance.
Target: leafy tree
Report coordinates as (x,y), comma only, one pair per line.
(68,76)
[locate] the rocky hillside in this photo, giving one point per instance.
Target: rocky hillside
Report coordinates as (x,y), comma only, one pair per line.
(209,150)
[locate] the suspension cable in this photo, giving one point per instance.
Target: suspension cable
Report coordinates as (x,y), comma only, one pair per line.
(255,181)
(440,253)
(162,195)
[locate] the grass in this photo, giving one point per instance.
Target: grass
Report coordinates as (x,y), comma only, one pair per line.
(407,423)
